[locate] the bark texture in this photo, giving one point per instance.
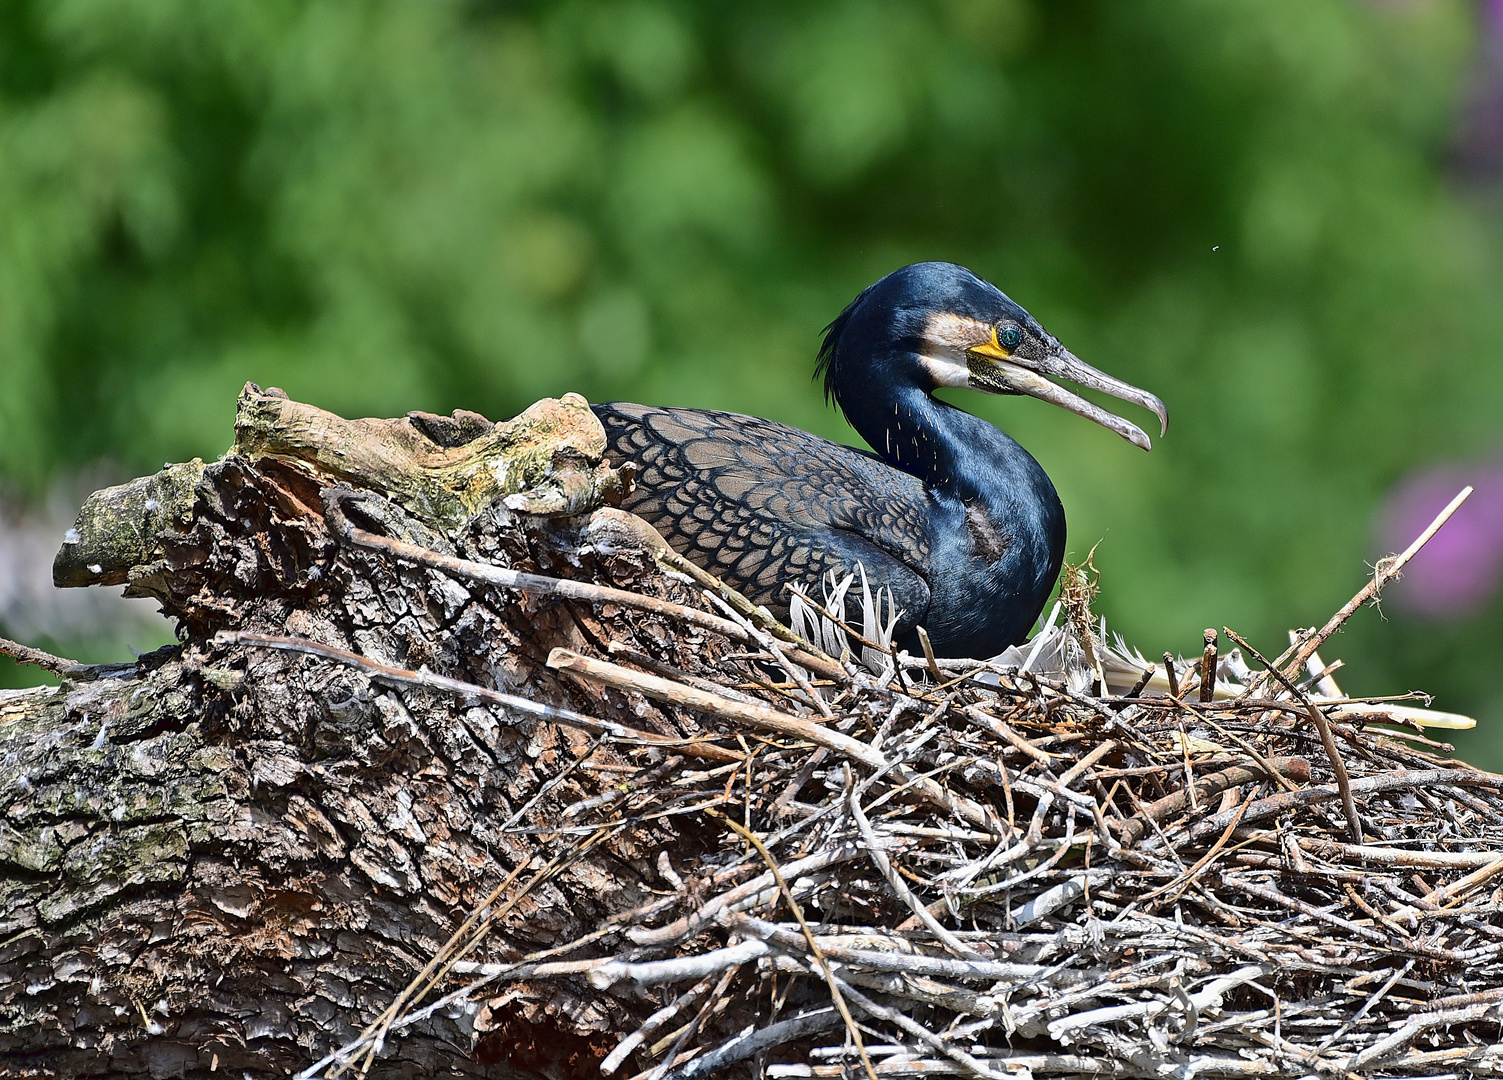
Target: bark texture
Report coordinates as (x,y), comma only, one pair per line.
(219,860)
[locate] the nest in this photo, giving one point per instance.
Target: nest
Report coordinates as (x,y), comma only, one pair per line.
(1065,862)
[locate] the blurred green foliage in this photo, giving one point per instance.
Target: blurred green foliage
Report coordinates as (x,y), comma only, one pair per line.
(1239,204)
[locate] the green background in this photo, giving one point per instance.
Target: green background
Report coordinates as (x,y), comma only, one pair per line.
(1244,206)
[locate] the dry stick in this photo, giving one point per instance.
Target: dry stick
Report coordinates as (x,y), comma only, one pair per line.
(462,945)
(538,583)
(923,1034)
(780,651)
(1274,896)
(915,964)
(1143,680)
(684,1034)
(1208,667)
(1406,1034)
(1189,788)
(524,968)
(1001,728)
(1274,805)
(667,557)
(1327,739)
(1248,748)
(755,1041)
(1186,879)
(896,882)
(584,591)
(1320,675)
(814,949)
(462,942)
(1170,675)
(1449,894)
(805,652)
(1074,772)
(1133,829)
(845,627)
(747,893)
(1367,1006)
(928,646)
(57,665)
(768,719)
(1372,912)
(376,1031)
(1386,571)
(651,1024)
(1382,856)
(406,1020)
(706,751)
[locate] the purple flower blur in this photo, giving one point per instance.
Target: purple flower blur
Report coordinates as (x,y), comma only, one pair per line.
(1480,150)
(1461,568)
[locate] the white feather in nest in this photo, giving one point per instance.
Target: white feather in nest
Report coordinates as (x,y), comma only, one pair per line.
(823,627)
(1058,654)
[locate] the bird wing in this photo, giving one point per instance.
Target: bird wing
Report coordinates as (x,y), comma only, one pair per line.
(762,504)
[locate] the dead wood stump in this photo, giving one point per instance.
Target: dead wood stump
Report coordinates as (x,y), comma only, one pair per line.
(219,861)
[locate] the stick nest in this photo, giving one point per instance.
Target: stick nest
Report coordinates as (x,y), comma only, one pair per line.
(1066,862)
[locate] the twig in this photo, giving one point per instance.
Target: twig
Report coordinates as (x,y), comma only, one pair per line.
(505,577)
(765,718)
(923,1034)
(1386,571)
(1327,739)
(649,1026)
(1141,684)
(1382,856)
(57,665)
(896,883)
(1135,827)
(584,591)
(1274,805)
(1186,879)
(753,1042)
(928,647)
(798,913)
(998,727)
(1208,667)
(671,559)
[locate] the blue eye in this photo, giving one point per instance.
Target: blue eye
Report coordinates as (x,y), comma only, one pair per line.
(1010,337)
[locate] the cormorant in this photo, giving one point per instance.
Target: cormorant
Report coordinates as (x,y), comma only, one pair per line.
(952,515)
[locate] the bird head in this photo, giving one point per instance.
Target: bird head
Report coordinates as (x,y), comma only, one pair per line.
(937,324)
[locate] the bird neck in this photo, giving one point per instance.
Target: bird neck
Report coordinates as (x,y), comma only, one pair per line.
(953,452)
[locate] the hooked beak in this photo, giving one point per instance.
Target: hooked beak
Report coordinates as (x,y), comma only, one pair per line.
(992,368)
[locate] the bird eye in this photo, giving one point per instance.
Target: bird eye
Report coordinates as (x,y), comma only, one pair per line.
(1010,337)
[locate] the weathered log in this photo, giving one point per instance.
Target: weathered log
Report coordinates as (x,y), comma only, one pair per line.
(218,859)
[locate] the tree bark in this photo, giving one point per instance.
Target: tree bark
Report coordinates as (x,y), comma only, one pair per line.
(227,860)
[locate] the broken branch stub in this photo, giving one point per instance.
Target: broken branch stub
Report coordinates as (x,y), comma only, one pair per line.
(548,461)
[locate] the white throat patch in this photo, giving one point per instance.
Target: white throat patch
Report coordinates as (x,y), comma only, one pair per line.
(946,338)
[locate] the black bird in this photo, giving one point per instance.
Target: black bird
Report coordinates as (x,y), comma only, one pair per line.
(952,515)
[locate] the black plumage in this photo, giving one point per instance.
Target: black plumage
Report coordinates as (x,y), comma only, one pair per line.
(949,513)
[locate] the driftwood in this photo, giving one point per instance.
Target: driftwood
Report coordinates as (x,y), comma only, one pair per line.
(225,859)
(458,771)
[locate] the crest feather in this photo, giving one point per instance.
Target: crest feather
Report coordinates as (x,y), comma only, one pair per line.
(826,363)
